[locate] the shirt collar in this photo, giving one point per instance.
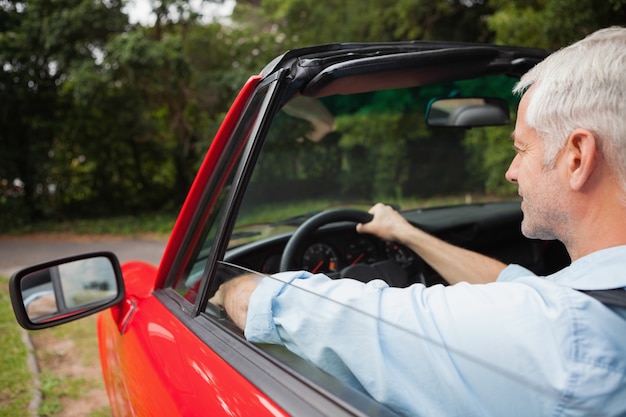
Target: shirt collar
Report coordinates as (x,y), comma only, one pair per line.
(601,270)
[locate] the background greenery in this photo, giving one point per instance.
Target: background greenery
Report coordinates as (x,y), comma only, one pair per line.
(15,377)
(100,117)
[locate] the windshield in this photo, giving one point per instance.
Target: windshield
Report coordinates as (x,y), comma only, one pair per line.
(355,150)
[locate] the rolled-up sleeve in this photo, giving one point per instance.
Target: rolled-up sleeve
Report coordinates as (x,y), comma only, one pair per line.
(260,327)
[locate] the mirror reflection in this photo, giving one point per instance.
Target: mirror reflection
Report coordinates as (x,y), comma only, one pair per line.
(52,292)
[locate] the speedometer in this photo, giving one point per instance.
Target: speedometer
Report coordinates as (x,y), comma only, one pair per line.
(320,257)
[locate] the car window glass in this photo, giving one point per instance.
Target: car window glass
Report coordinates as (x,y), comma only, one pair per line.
(356,150)
(189,282)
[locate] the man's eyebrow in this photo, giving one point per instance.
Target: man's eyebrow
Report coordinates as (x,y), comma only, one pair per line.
(515,146)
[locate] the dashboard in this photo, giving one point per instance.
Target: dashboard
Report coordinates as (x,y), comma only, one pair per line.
(328,250)
(492,229)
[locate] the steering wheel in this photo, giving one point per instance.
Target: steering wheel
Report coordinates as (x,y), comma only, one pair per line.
(388,270)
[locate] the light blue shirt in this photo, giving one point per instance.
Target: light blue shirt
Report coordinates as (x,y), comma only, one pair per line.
(522,346)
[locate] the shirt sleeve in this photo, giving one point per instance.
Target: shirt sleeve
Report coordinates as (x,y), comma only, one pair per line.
(513,272)
(382,339)
(453,349)
(260,327)
(306,312)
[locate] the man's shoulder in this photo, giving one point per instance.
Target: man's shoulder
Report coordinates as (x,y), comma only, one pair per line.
(601,270)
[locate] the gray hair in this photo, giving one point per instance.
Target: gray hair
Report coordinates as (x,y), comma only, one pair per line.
(582,86)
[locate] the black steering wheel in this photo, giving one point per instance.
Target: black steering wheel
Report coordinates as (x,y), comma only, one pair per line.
(387,270)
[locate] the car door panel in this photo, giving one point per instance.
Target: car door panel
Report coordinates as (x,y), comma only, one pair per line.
(159,367)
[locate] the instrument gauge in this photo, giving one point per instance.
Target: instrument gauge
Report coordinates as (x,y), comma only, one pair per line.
(320,257)
(399,253)
(361,251)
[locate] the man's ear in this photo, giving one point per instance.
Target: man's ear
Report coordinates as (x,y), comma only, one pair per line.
(581,157)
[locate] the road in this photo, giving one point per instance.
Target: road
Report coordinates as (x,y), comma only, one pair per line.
(22,251)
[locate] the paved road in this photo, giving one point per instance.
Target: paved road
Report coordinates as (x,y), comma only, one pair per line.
(19,252)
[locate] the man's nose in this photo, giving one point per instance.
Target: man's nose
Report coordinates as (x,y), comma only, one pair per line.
(511,173)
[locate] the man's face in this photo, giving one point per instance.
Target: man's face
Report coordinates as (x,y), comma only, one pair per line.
(542,202)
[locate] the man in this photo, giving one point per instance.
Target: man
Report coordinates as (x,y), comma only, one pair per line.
(499,341)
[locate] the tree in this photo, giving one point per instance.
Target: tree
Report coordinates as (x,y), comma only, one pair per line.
(368,20)
(97,115)
(552,24)
(39,41)
(94,111)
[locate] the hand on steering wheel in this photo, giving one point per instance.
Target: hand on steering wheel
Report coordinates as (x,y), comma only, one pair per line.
(387,270)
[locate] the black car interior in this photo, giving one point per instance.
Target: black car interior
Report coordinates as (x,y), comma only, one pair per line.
(492,229)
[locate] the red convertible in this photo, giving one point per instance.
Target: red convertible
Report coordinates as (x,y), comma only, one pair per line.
(310,143)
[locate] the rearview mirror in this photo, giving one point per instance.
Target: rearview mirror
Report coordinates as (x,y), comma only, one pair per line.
(467,112)
(57,292)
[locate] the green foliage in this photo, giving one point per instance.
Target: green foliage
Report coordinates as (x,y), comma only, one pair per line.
(27,102)
(385,162)
(552,24)
(490,156)
(99,117)
(54,388)
(305,169)
(44,41)
(368,20)
(159,224)
(15,377)
(70,31)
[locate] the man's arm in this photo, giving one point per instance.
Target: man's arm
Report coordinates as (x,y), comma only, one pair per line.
(455,264)
(234,296)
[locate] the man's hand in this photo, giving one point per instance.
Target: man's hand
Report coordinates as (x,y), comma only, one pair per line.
(234,296)
(387,224)
(453,263)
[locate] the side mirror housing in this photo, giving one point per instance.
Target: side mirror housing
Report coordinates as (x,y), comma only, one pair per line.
(67,289)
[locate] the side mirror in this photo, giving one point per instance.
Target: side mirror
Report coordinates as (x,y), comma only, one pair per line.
(467,112)
(64,290)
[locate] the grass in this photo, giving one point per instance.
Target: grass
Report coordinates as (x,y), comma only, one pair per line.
(59,384)
(151,223)
(54,388)
(15,378)
(83,333)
